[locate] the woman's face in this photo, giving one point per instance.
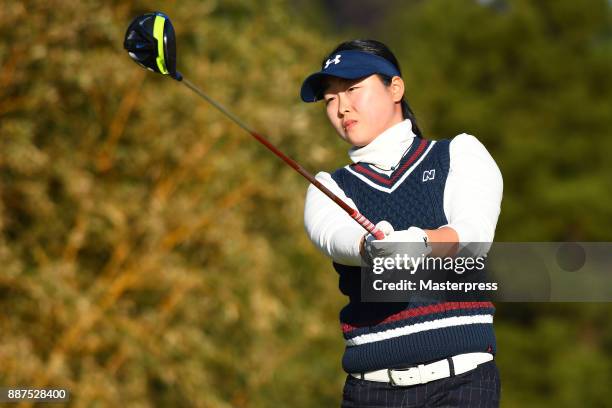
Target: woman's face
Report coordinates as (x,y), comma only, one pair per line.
(361,109)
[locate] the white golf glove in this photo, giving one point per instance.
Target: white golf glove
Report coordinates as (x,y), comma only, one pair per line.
(411,242)
(386,228)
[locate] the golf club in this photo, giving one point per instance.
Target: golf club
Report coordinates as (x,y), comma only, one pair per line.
(150,41)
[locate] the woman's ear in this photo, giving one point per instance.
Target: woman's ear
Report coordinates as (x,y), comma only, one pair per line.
(397,88)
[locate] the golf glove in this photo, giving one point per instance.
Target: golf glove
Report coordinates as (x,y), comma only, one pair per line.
(411,242)
(386,228)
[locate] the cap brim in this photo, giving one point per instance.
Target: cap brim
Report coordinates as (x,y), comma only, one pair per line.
(314,85)
(350,64)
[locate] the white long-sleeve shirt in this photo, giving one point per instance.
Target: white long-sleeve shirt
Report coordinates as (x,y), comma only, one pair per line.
(472,194)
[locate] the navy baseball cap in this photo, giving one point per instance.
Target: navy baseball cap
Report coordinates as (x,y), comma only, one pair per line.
(350,64)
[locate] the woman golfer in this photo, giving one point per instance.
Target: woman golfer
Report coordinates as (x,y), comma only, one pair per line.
(417,191)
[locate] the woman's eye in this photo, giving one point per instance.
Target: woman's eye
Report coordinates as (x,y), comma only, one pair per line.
(352,88)
(328,100)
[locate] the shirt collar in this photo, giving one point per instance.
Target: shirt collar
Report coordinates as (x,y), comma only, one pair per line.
(387,149)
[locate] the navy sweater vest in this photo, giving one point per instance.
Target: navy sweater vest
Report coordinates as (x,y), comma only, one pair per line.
(396,334)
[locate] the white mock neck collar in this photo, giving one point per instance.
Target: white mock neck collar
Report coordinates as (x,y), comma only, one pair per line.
(387,149)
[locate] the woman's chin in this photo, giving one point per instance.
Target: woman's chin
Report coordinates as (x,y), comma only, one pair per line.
(354,138)
(357,141)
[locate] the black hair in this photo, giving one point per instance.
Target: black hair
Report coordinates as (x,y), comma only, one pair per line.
(381,50)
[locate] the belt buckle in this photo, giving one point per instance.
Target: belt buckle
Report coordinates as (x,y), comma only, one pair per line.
(416,375)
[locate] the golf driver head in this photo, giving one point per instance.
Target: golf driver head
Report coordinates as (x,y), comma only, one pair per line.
(150,41)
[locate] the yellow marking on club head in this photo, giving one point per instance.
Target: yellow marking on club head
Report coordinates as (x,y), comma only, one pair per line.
(158,34)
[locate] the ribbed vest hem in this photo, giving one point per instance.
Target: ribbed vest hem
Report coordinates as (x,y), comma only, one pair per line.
(419,348)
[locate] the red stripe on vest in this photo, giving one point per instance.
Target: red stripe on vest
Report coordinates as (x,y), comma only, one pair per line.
(389,181)
(420,311)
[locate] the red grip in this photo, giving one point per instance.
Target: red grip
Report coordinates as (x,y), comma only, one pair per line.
(365,223)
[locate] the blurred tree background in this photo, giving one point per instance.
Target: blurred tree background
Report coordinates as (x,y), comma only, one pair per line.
(151,254)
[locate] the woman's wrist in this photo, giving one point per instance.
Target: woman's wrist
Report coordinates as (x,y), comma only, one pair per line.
(444,241)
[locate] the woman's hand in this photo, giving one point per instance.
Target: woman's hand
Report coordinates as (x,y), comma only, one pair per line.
(439,242)
(412,242)
(383,226)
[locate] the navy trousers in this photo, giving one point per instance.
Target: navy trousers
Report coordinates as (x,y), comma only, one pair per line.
(480,387)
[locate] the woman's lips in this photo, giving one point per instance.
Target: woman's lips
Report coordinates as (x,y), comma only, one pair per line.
(349,124)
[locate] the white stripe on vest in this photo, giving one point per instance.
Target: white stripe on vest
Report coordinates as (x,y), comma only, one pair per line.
(419,327)
(400,181)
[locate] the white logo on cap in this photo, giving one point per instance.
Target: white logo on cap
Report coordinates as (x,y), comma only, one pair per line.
(336,60)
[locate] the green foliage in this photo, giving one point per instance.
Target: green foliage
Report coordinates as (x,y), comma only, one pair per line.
(153,255)
(532,81)
(148,255)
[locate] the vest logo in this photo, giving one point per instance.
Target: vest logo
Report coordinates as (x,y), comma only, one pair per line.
(336,61)
(429,175)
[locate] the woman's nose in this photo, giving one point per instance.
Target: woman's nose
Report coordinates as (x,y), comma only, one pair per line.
(343,104)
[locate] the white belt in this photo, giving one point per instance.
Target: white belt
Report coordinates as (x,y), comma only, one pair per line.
(424,373)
